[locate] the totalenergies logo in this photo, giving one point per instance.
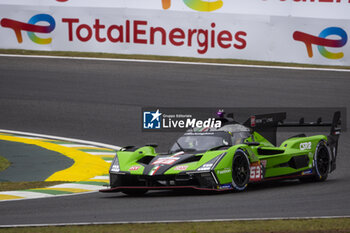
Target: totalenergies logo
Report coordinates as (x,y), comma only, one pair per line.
(198,5)
(31,28)
(322,42)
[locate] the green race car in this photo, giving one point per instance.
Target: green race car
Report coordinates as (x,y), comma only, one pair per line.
(228,158)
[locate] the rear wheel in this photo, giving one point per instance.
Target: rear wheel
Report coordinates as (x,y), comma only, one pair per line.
(240,170)
(135,192)
(321,161)
(321,164)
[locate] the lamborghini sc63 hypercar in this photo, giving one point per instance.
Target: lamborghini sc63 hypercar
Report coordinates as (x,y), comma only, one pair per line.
(228,158)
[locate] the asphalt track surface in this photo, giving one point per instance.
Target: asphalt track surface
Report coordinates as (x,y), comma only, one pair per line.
(101,101)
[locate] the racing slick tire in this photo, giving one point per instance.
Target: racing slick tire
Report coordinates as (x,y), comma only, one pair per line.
(321,163)
(135,192)
(240,171)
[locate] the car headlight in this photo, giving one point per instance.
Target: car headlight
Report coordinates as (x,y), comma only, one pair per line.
(205,167)
(211,164)
(115,165)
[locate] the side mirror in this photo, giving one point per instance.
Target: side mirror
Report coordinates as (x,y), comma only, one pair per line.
(127,148)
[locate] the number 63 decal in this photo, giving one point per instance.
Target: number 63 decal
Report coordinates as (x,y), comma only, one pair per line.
(256,172)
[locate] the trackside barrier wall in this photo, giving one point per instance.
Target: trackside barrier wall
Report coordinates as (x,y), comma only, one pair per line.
(298,31)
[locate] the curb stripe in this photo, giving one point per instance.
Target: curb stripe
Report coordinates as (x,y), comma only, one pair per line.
(70,190)
(93,182)
(107,158)
(25,194)
(50,191)
(86,187)
(58,191)
(103,181)
(8,197)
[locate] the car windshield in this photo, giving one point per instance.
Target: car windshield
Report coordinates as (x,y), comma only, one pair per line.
(198,143)
(239,132)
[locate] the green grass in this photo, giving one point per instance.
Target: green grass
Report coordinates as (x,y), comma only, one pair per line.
(4,164)
(163,58)
(14,186)
(341,225)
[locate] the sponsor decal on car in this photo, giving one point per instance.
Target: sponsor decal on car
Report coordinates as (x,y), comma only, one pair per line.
(255,172)
(225,186)
(180,168)
(305,146)
(307,172)
(224,171)
(252,121)
(134,168)
(154,170)
(165,161)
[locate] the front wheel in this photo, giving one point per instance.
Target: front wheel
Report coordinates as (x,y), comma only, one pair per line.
(240,171)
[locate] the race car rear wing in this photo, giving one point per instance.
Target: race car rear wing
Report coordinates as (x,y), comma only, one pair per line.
(267,125)
(333,138)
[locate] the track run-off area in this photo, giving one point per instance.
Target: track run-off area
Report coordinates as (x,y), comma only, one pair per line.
(101,101)
(87,172)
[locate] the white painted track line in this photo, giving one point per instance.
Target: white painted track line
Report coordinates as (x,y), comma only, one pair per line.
(172,221)
(177,62)
(78,141)
(35,138)
(100,153)
(78,145)
(100,178)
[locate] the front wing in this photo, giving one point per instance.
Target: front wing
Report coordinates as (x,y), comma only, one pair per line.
(195,180)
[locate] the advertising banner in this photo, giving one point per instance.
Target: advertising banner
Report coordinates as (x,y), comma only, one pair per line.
(298,31)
